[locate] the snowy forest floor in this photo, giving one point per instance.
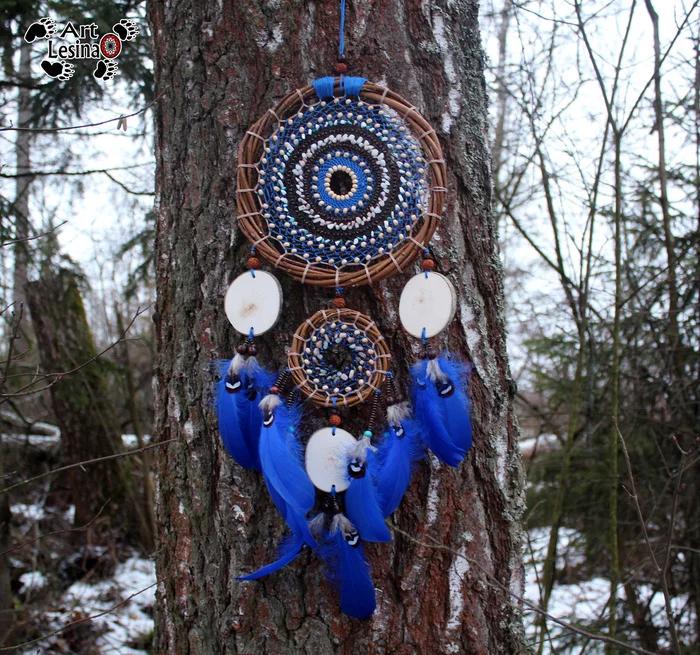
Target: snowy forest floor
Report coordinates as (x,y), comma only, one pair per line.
(59,584)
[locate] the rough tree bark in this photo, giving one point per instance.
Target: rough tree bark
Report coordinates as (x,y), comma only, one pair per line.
(223,65)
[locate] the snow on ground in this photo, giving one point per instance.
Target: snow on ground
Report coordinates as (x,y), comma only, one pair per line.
(583,603)
(127,623)
(31,513)
(32,581)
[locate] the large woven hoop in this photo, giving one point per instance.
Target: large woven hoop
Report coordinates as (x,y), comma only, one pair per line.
(255,227)
(302,341)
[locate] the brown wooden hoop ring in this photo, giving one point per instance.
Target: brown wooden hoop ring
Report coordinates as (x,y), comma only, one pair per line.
(254,226)
(295,358)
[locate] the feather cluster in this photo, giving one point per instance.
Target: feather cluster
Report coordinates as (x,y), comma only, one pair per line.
(263,434)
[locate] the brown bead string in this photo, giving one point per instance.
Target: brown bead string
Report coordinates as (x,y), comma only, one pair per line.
(393,396)
(373,413)
(292,397)
(282,384)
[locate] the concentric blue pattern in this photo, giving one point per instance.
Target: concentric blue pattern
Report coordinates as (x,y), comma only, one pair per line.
(341,183)
(339,359)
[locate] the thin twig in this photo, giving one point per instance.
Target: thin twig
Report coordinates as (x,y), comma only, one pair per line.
(80,528)
(660,570)
(79,127)
(493,581)
(37,236)
(87,462)
(27,390)
(10,348)
(79,621)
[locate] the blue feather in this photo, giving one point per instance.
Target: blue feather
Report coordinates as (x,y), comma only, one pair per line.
(227,410)
(256,383)
(288,551)
(396,456)
(295,520)
(362,505)
(444,418)
(280,457)
(347,567)
(457,407)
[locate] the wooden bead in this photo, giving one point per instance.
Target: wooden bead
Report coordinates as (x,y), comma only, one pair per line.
(242,348)
(341,68)
(432,353)
(335,420)
(252,350)
(339,303)
(253,262)
(428,264)
(274,390)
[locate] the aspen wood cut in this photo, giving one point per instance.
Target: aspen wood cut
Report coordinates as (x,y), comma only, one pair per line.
(253,302)
(225,64)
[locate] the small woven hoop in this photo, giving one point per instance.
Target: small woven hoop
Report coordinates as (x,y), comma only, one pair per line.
(303,334)
(254,226)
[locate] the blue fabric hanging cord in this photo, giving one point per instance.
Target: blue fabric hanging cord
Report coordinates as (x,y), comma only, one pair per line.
(341,42)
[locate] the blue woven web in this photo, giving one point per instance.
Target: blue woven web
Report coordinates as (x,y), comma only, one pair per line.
(368,146)
(339,358)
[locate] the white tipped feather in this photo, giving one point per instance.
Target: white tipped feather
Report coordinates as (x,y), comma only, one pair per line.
(359,450)
(341,522)
(433,371)
(270,403)
(395,414)
(316,525)
(236,365)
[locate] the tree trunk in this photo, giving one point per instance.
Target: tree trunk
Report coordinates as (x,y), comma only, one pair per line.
(223,65)
(82,403)
(23,181)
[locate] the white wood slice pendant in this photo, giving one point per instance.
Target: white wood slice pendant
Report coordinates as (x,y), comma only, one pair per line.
(253,302)
(326,458)
(427,302)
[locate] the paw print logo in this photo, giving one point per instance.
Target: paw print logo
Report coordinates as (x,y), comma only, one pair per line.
(42,29)
(126,29)
(59,70)
(105,70)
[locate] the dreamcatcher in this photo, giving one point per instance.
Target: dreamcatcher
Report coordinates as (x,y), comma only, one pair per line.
(340,185)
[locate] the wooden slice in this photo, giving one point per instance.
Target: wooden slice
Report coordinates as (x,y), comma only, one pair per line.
(253,302)
(326,458)
(428,302)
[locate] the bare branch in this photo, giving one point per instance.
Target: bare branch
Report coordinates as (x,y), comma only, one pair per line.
(78,127)
(88,462)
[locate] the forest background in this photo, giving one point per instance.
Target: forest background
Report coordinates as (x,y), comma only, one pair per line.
(595,133)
